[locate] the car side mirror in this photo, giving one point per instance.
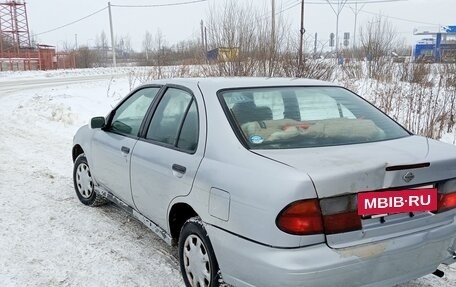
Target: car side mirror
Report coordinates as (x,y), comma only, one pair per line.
(97,123)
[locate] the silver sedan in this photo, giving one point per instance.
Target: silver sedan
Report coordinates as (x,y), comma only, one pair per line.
(274,182)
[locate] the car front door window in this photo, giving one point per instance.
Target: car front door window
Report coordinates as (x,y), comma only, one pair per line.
(129,116)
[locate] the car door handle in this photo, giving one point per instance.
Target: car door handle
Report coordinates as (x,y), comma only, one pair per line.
(179,168)
(125,150)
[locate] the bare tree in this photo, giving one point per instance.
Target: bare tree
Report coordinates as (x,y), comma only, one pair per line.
(127,44)
(378,39)
(123,46)
(85,57)
(66,47)
(147,44)
(159,48)
(233,30)
(101,45)
(6,42)
(159,40)
(249,45)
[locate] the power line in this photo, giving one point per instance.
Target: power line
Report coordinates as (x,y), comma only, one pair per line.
(286,3)
(122,6)
(74,22)
(265,16)
(159,5)
(314,2)
(332,2)
(286,9)
(398,18)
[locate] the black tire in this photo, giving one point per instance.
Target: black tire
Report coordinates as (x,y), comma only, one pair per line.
(86,194)
(193,230)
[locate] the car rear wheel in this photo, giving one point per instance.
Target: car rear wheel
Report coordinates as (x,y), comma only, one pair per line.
(83,183)
(197,259)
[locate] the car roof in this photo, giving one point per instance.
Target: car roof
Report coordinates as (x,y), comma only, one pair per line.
(218,83)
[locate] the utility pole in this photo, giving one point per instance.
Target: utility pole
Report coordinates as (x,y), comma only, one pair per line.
(75,41)
(356,11)
(315,45)
(272,46)
(114,61)
(337,10)
(301,41)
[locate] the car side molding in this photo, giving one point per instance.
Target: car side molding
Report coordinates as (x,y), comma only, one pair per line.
(136,214)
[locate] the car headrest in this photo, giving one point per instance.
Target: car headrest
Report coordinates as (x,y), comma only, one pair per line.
(247,111)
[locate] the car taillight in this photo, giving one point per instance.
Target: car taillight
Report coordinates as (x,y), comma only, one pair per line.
(447,201)
(301,218)
(329,216)
(340,214)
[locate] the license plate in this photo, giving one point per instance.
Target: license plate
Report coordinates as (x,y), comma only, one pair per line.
(397,201)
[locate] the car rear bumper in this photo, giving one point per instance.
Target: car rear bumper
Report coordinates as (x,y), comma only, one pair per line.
(384,263)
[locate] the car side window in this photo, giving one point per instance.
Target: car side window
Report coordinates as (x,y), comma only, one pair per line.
(188,138)
(130,114)
(168,118)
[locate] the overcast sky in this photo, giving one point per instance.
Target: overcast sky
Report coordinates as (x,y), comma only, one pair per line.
(182,22)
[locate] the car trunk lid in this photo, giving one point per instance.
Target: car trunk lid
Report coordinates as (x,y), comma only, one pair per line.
(350,169)
(339,170)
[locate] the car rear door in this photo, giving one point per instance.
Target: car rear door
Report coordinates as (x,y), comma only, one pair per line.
(112,146)
(165,161)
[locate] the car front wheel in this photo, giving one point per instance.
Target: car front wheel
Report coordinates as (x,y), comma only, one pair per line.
(83,183)
(197,259)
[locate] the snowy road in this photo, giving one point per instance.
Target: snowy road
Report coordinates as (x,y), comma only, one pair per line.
(14,86)
(47,238)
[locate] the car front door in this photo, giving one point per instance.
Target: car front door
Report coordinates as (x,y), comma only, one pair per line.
(112,146)
(165,161)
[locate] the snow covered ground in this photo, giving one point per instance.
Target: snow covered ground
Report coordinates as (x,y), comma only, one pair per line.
(47,238)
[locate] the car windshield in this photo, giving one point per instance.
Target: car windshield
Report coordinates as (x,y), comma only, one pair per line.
(298,117)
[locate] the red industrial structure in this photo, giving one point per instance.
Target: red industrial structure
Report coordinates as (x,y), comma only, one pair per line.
(16,50)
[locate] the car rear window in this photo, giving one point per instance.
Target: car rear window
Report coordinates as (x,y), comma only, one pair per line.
(298,117)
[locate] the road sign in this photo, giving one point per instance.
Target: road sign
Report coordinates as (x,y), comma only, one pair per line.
(346,39)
